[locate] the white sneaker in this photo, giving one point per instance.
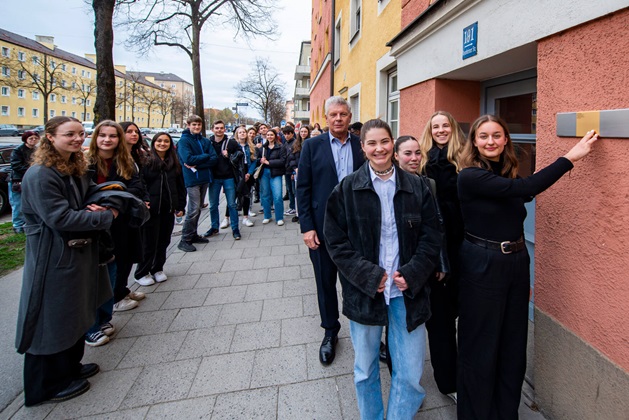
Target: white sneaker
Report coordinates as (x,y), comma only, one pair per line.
(125,304)
(137,296)
(252,214)
(225,223)
(160,276)
(247,223)
(265,221)
(280,223)
(146,280)
(453,396)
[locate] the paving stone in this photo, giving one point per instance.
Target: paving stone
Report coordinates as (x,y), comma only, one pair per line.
(207,342)
(132,414)
(240,313)
(110,355)
(298,287)
(162,383)
(223,373)
(248,243)
(175,257)
(152,302)
(301,330)
(178,283)
(307,271)
(215,280)
(231,294)
(268,290)
(257,335)
(263,251)
(269,262)
(107,391)
(195,318)
(153,349)
(310,302)
(264,234)
(297,259)
(283,273)
(191,257)
(283,365)
(445,413)
(146,323)
(38,412)
(227,254)
(237,265)
(250,276)
(204,267)
(255,404)
(347,396)
(186,298)
(296,240)
(281,308)
(194,408)
(343,361)
(304,400)
(178,269)
(274,241)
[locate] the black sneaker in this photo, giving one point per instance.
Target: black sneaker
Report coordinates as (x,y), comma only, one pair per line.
(210,232)
(97,338)
(237,235)
(186,246)
(256,200)
(295,219)
(199,240)
(285,198)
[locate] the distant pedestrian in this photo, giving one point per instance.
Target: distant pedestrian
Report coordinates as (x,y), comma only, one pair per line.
(289,135)
(355,128)
(494,283)
(272,157)
(304,132)
(20,162)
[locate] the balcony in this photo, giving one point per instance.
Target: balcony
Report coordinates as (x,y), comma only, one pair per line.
(301,71)
(301,93)
(301,115)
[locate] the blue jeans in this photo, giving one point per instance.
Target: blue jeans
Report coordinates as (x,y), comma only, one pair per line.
(230,196)
(271,186)
(105,312)
(15,199)
(196,197)
(407,352)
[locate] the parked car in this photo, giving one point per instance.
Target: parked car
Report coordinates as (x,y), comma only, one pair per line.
(39,130)
(9,130)
(5,171)
(88,126)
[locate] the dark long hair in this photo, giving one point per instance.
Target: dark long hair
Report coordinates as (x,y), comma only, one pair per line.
(138,150)
(155,163)
(472,157)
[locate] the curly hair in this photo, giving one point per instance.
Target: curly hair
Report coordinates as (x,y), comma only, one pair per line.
(456,143)
(47,155)
(472,157)
(125,167)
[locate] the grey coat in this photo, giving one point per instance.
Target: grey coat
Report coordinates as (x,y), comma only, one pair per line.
(62,286)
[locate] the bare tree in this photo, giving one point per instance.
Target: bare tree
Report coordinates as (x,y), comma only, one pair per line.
(164,104)
(178,23)
(151,98)
(263,89)
(105,104)
(84,89)
(182,107)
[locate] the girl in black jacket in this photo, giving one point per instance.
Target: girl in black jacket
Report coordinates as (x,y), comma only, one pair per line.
(20,162)
(272,156)
(164,182)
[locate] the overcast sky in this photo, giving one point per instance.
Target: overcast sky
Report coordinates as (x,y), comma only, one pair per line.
(224,61)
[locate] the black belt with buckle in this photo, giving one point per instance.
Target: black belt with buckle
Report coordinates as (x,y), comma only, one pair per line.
(506,247)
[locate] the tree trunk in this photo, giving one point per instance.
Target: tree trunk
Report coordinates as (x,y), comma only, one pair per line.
(196,74)
(105,104)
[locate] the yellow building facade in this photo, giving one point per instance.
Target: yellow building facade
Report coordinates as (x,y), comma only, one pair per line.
(39,80)
(364,72)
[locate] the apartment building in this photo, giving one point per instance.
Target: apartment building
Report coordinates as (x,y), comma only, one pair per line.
(301,97)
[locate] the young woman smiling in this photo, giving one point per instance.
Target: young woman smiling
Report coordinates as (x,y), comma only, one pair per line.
(273,158)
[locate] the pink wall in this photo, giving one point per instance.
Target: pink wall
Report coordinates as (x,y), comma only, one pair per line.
(582,230)
(461,98)
(417,103)
(320,92)
(320,41)
(411,9)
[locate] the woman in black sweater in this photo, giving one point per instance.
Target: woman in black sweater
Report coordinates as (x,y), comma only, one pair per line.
(494,264)
(272,157)
(164,181)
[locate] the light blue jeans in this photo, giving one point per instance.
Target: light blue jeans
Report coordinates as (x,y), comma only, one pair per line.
(230,195)
(15,199)
(271,186)
(407,352)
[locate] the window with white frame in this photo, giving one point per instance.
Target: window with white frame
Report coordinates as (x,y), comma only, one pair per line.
(354,102)
(6,52)
(89,74)
(35,95)
(393,103)
(73,70)
(73,85)
(89,102)
(6,71)
(63,67)
(89,117)
(35,113)
(35,60)
(63,113)
(337,41)
(73,114)
(73,100)
(63,84)
(20,111)
(355,8)
(64,99)
(6,91)
(83,116)
(21,93)
(83,73)
(6,110)
(53,97)
(21,56)
(173,86)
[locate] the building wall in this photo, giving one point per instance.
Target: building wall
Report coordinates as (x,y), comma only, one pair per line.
(413,8)
(319,60)
(582,292)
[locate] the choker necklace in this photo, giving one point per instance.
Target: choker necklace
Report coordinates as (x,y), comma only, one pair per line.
(385,172)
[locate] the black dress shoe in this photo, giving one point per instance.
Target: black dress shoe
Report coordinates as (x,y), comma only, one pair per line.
(210,232)
(383,352)
(88,370)
(327,351)
(76,388)
(186,246)
(199,240)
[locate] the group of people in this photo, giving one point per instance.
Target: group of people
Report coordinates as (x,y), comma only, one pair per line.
(422,232)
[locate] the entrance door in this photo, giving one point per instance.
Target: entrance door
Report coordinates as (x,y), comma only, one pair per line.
(514,99)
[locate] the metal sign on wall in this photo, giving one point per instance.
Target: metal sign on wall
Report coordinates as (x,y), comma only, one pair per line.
(470,35)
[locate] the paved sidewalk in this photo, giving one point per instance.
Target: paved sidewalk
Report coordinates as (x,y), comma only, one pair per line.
(233,334)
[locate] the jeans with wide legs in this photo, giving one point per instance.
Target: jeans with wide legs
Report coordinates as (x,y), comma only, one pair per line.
(271,186)
(15,199)
(407,353)
(104,313)
(493,329)
(230,196)
(196,197)
(290,190)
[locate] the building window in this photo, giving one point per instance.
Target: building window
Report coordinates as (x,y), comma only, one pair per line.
(73,114)
(21,56)
(63,83)
(35,95)
(63,67)
(20,111)
(6,91)
(355,17)
(83,116)
(173,86)
(73,70)
(35,113)
(6,71)
(21,74)
(21,93)
(64,99)
(89,117)
(5,52)
(89,102)
(5,111)
(73,85)
(73,100)
(52,113)
(337,41)
(83,73)
(53,97)
(354,102)
(393,103)
(63,113)
(35,60)
(89,74)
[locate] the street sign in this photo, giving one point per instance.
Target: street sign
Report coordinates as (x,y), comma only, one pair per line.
(242,104)
(470,35)
(236,115)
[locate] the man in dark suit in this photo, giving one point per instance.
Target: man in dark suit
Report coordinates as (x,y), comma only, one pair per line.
(325,160)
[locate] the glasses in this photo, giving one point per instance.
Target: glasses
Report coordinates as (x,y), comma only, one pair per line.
(73,135)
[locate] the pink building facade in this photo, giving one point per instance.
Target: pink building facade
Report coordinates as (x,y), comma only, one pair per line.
(320,59)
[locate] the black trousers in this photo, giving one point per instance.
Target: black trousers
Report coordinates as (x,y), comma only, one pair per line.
(47,375)
(441,329)
(325,275)
(123,269)
(493,323)
(155,240)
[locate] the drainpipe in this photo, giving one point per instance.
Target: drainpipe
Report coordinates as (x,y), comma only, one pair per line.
(333,43)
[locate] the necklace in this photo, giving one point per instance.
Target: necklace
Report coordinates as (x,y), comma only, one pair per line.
(383,173)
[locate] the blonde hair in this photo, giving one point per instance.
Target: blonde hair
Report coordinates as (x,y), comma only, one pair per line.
(125,166)
(252,148)
(47,155)
(456,143)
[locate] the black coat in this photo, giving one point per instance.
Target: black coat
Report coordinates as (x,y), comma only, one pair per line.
(276,157)
(165,188)
(20,162)
(352,235)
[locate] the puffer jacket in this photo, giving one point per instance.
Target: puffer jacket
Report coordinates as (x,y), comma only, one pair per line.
(352,235)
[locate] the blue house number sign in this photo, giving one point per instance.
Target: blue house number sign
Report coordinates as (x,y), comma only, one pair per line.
(470,35)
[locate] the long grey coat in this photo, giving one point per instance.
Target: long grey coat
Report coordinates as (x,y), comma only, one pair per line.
(62,286)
